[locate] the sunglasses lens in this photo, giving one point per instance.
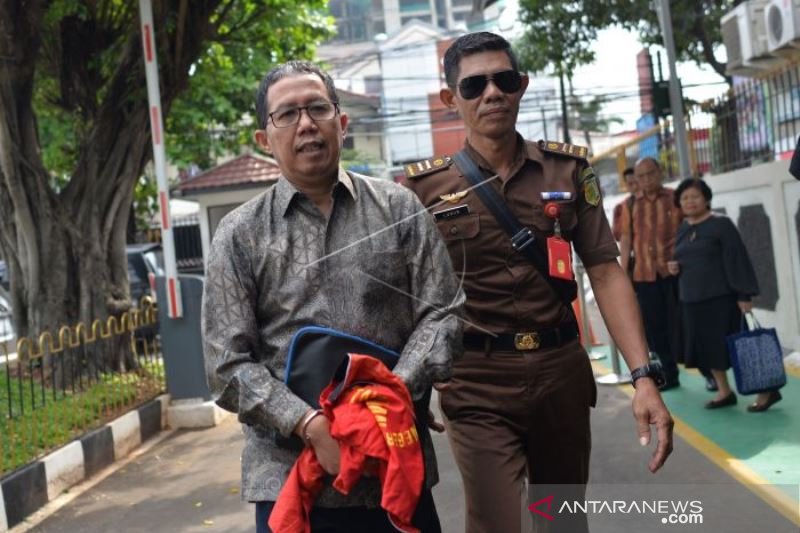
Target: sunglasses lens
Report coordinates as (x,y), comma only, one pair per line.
(508,81)
(472,87)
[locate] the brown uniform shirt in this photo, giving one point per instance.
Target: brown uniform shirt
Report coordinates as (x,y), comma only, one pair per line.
(655,227)
(505,292)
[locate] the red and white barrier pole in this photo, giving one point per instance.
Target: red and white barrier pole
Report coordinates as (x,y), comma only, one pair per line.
(174,301)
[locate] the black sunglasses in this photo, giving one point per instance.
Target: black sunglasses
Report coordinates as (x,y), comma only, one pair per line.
(508,81)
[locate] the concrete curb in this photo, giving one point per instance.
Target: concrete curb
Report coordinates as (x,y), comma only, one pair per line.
(29,488)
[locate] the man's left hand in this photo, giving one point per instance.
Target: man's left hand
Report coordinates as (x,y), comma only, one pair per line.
(433,424)
(649,409)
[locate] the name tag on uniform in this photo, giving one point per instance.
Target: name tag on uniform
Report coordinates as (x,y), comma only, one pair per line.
(558,196)
(451,213)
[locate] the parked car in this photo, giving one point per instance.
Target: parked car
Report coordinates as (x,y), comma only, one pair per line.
(4,281)
(6,326)
(145,262)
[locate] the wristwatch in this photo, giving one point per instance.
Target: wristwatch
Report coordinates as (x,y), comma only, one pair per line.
(653,371)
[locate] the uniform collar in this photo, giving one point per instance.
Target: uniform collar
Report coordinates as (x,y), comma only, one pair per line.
(523,152)
(285,192)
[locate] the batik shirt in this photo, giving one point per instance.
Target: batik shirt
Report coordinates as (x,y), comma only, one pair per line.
(376,268)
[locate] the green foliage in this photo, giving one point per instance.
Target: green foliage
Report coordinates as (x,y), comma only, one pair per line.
(216,115)
(559,34)
(210,117)
(588,115)
(45,419)
(145,201)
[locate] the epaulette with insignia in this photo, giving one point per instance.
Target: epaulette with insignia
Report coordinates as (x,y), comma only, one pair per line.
(571,150)
(427,166)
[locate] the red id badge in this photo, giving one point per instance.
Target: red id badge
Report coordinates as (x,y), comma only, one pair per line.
(559,258)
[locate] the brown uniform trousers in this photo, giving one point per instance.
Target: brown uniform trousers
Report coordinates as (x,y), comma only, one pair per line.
(493,410)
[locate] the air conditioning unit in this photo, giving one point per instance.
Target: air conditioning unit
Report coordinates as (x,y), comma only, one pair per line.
(745,36)
(782,20)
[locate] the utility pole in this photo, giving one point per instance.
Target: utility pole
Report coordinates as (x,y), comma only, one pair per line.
(544,122)
(564,119)
(675,98)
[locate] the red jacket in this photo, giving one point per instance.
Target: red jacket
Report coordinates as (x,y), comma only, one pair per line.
(371,415)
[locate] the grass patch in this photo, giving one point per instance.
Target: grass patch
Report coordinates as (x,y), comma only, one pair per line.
(40,425)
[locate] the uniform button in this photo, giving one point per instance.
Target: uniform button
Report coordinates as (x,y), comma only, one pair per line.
(453,230)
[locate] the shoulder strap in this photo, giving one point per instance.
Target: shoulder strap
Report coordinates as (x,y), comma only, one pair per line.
(522,238)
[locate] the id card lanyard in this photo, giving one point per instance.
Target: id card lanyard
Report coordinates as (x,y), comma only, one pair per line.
(559,251)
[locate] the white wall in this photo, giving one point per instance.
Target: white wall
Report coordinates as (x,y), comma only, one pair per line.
(771,185)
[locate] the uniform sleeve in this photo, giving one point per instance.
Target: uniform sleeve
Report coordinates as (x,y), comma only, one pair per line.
(593,240)
(238,378)
(437,302)
(739,271)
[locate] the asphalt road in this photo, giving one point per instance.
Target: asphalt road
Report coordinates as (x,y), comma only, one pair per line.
(189,482)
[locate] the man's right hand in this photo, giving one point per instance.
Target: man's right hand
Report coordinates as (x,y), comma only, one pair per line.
(325,447)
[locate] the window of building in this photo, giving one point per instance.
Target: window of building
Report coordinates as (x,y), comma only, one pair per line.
(425,18)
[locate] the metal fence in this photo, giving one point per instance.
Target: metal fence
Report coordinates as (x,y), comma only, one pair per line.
(58,386)
(756,121)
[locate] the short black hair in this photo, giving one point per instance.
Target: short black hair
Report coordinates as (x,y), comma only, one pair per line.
(628,172)
(474,43)
(698,184)
(284,70)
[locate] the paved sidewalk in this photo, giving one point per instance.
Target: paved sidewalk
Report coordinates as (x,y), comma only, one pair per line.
(189,482)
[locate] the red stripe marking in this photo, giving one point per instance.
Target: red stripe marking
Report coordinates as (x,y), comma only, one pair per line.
(162,197)
(173,298)
(148,44)
(155,124)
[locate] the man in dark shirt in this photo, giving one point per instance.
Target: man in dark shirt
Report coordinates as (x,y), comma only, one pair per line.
(518,405)
(329,248)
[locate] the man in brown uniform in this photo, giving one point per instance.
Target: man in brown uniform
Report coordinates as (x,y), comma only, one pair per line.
(518,403)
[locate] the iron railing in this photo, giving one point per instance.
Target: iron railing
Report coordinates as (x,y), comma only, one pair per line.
(56,387)
(756,121)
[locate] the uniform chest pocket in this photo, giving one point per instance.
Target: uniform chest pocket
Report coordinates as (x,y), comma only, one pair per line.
(461,237)
(465,227)
(567,219)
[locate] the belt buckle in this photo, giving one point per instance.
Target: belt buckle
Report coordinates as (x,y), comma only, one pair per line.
(527,341)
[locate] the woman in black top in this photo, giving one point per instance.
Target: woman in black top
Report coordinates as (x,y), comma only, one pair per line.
(716,285)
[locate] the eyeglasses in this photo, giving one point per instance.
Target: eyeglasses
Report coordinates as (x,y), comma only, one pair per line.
(508,81)
(289,116)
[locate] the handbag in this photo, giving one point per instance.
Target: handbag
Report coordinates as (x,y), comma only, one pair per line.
(756,358)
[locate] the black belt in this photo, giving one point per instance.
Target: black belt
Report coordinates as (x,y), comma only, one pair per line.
(524,341)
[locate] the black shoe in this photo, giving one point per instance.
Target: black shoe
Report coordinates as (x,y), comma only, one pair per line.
(727,401)
(711,385)
(774,397)
(670,384)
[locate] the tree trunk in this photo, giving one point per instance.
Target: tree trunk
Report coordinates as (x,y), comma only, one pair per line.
(65,250)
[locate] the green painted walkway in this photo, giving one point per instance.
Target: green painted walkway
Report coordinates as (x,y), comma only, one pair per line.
(767,444)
